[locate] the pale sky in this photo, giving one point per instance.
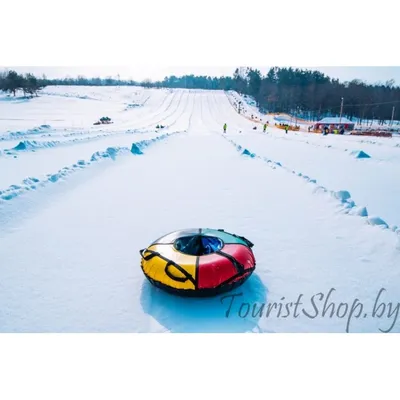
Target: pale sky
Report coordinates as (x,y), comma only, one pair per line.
(368,74)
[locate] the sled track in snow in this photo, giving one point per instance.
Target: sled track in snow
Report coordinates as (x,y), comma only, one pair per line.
(343,196)
(157,114)
(29,181)
(154,118)
(146,117)
(32,183)
(213,130)
(171,114)
(192,112)
(191,99)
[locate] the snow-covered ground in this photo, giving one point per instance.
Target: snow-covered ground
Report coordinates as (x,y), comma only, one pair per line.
(77,204)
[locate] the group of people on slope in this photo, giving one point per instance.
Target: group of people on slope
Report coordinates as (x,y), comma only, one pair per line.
(265,126)
(335,131)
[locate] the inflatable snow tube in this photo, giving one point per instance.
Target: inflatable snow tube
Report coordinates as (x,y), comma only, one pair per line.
(198,262)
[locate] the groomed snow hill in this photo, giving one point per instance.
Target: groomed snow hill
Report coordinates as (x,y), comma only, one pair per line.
(78,201)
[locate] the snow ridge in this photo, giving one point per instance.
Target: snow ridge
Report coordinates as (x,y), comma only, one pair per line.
(34,131)
(33,183)
(342,196)
(70,95)
(32,144)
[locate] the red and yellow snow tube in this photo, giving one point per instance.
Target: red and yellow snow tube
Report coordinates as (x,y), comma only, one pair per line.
(198,262)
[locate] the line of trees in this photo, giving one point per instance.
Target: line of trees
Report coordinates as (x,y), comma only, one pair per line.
(313,95)
(12,82)
(81,80)
(187,81)
(305,93)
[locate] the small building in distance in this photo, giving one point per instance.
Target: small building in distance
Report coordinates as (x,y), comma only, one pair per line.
(334,123)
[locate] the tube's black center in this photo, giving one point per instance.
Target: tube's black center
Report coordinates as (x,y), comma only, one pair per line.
(198,245)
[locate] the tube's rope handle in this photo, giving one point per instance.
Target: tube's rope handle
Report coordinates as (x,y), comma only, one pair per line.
(247,241)
(238,266)
(186,274)
(141,252)
(170,263)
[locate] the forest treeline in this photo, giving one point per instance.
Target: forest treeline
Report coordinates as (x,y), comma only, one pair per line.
(305,93)
(12,82)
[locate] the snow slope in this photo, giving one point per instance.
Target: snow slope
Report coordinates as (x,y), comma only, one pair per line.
(332,161)
(69,249)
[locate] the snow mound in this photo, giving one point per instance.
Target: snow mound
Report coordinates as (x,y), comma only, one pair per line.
(32,144)
(342,195)
(243,151)
(110,152)
(361,211)
(135,149)
(246,152)
(377,221)
(345,199)
(34,131)
(360,154)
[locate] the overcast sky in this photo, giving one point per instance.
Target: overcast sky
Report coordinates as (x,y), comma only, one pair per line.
(368,74)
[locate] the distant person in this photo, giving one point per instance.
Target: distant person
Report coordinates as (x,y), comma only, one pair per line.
(265,128)
(225,128)
(286,128)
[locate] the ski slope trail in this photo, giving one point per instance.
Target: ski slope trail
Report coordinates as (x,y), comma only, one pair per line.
(73,264)
(41,161)
(36,158)
(330,160)
(73,108)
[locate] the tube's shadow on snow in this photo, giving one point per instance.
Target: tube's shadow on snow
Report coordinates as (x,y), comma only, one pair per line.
(202,315)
